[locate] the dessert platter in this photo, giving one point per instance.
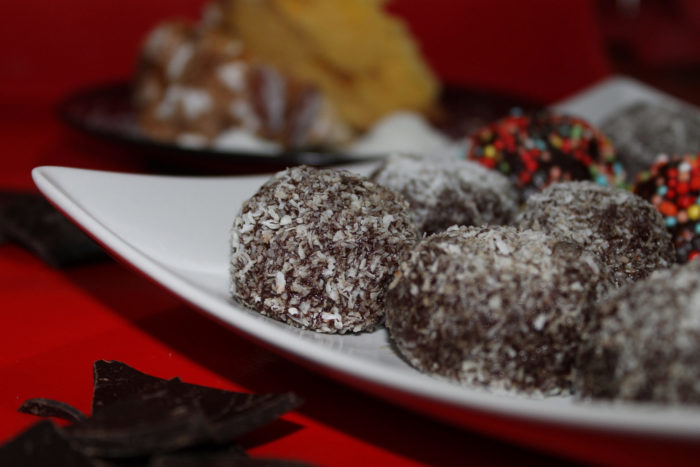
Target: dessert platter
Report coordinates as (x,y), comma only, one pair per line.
(178,231)
(518,262)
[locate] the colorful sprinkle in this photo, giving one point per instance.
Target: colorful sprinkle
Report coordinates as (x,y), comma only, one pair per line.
(672,184)
(527,147)
(694,212)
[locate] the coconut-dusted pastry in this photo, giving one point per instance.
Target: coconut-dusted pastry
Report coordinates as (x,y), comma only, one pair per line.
(495,306)
(672,185)
(538,149)
(625,231)
(443,191)
(195,83)
(317,249)
(364,60)
(648,341)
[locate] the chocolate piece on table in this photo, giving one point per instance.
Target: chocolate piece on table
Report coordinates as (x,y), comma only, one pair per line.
(230,414)
(138,418)
(44,444)
(30,221)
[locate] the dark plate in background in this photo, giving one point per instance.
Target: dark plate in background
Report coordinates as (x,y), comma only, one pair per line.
(105,111)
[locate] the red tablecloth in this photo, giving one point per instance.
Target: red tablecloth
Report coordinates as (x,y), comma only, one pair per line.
(55,323)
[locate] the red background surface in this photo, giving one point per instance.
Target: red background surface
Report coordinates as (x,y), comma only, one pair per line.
(55,323)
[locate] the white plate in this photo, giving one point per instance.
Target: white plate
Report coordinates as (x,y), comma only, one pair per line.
(176,231)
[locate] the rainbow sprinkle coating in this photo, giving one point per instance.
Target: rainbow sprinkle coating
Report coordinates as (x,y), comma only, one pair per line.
(538,149)
(672,185)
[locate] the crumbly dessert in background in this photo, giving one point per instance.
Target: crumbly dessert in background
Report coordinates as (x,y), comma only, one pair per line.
(496,307)
(624,230)
(647,341)
(194,83)
(362,59)
(309,73)
(445,191)
(642,131)
(317,248)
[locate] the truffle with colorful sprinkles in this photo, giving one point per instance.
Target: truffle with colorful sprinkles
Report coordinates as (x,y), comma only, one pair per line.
(495,306)
(535,150)
(672,185)
(647,344)
(317,249)
(624,230)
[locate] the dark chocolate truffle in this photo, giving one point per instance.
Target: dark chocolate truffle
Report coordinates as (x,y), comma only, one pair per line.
(317,249)
(495,306)
(535,150)
(648,342)
(624,230)
(672,185)
(443,191)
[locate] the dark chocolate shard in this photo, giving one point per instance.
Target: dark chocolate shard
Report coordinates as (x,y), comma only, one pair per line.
(216,460)
(151,423)
(116,381)
(51,408)
(43,444)
(140,419)
(206,455)
(170,414)
(30,221)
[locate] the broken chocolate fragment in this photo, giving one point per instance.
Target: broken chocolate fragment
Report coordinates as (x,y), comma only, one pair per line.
(229,414)
(30,221)
(139,419)
(44,444)
(51,408)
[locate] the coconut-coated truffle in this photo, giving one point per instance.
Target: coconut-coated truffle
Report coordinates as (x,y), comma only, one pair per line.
(625,231)
(317,248)
(496,307)
(648,341)
(443,191)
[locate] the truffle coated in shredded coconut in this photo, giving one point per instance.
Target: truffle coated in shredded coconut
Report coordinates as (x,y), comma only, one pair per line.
(495,306)
(625,231)
(643,130)
(648,341)
(317,249)
(443,191)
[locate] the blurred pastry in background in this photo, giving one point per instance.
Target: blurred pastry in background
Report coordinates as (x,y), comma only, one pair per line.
(364,60)
(643,130)
(196,85)
(290,73)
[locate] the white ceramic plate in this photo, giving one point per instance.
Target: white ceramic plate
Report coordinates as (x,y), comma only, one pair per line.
(176,231)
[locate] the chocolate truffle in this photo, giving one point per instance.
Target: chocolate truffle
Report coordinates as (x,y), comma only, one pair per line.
(643,130)
(317,249)
(624,230)
(535,150)
(443,191)
(648,341)
(495,306)
(672,185)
